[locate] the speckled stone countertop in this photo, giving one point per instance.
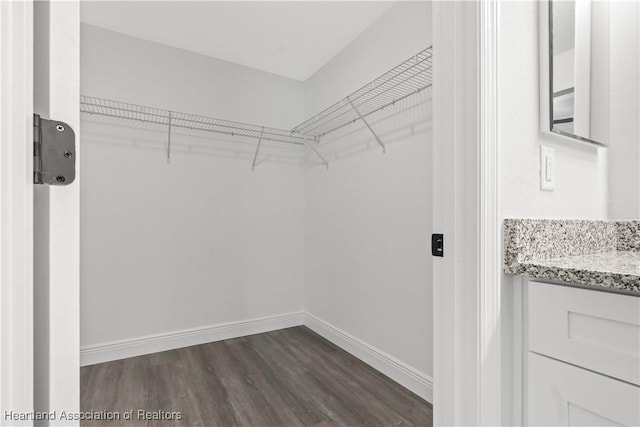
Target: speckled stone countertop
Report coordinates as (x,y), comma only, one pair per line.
(602,254)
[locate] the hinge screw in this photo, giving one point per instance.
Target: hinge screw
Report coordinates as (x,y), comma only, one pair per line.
(60,128)
(68,154)
(60,179)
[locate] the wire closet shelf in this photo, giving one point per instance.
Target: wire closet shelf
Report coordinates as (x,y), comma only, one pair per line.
(411,77)
(145,114)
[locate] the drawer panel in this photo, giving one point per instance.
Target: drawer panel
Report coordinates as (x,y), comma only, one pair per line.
(597,330)
(564,395)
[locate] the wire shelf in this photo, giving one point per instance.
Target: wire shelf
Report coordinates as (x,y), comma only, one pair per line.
(123,110)
(412,76)
(409,78)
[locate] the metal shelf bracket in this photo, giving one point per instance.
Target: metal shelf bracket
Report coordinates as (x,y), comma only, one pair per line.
(255,157)
(169,140)
(375,135)
(315,150)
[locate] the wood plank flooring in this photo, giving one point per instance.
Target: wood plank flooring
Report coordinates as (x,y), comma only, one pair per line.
(290,377)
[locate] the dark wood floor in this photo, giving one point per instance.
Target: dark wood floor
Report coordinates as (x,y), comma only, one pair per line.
(290,377)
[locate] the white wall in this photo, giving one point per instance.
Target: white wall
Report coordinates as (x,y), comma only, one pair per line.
(202,240)
(564,66)
(624,110)
(368,218)
(580,168)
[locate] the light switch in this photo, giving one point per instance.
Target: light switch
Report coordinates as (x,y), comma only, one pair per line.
(547,168)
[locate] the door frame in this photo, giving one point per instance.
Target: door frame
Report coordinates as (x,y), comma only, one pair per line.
(57,221)
(468,386)
(16,207)
(57,97)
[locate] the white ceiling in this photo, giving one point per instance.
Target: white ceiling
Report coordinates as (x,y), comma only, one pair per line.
(292,38)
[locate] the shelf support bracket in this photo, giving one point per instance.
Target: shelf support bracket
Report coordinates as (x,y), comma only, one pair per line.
(375,135)
(255,157)
(169,140)
(310,145)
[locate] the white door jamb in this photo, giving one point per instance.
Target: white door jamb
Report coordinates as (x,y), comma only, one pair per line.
(467,347)
(16,209)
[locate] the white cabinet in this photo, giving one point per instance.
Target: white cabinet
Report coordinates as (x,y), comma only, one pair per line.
(561,394)
(583,357)
(596,330)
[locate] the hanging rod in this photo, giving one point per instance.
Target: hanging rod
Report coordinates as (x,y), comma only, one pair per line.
(412,76)
(173,119)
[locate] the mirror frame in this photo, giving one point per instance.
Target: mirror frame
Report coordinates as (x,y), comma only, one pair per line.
(546,76)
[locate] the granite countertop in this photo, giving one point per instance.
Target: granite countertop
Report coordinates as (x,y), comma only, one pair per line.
(616,270)
(604,255)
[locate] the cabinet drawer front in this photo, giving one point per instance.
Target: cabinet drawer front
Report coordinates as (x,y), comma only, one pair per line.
(564,395)
(597,330)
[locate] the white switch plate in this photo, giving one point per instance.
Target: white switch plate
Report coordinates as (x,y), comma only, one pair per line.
(547,168)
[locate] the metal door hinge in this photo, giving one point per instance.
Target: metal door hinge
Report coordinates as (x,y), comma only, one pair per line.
(54,152)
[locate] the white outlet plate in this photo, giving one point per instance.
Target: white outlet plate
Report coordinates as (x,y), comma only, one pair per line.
(547,168)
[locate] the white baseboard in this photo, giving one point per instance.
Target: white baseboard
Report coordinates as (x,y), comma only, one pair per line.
(407,376)
(114,350)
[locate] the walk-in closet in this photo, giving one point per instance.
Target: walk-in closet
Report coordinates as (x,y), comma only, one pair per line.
(256,210)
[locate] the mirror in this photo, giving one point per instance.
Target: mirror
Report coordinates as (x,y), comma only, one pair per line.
(594,69)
